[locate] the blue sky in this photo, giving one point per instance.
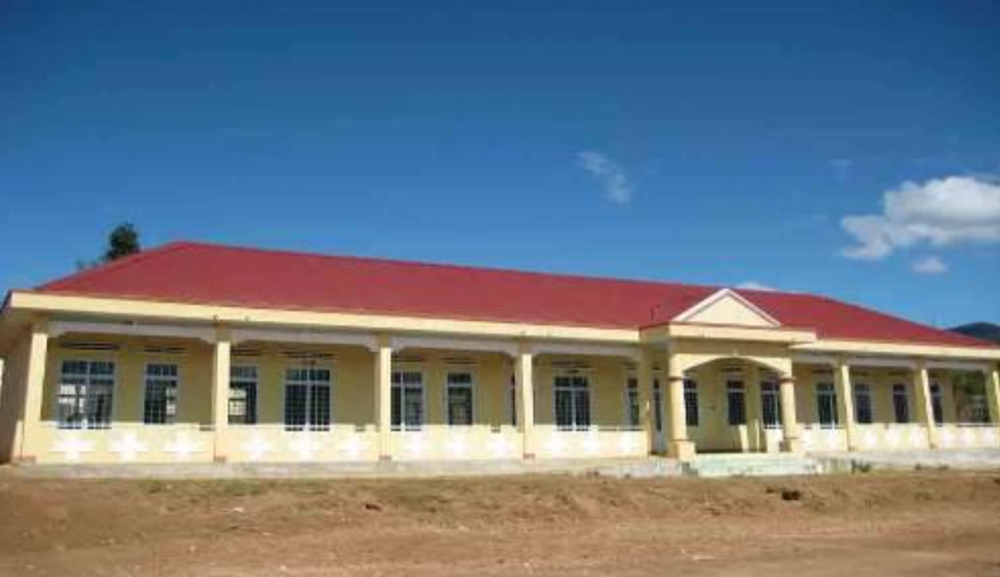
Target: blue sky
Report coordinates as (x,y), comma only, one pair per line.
(708,142)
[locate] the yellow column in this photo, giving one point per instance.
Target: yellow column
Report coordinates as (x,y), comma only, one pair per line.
(525,391)
(646,420)
(679,447)
(26,446)
(222,362)
(845,403)
(789,420)
(755,436)
(925,408)
(993,395)
(383,398)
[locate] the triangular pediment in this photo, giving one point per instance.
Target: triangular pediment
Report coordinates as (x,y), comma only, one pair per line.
(726,307)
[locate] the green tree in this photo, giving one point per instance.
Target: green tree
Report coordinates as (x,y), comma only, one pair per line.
(123,241)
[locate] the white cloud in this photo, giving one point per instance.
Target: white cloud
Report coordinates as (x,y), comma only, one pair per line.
(755,286)
(930,265)
(617,187)
(940,212)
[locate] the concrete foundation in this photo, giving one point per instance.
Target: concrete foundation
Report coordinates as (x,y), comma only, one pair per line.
(616,468)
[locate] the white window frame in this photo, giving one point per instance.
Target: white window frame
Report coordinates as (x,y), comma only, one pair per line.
(632,391)
(511,395)
(937,403)
(256,384)
(178,379)
(309,384)
(403,426)
(736,386)
(85,424)
(905,395)
(770,388)
(690,391)
(658,412)
(590,402)
(473,398)
(863,390)
(827,389)
(978,408)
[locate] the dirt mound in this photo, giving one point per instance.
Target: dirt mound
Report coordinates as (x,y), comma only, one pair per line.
(531,524)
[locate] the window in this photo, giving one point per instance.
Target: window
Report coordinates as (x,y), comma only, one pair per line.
(307,399)
(770,403)
(572,402)
(407,400)
(512,400)
(936,404)
(86,393)
(160,407)
(901,403)
(242,395)
(736,401)
(658,405)
(863,412)
(632,403)
(977,410)
(459,399)
(691,402)
(826,405)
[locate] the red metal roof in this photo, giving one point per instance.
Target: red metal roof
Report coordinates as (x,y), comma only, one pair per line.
(211,274)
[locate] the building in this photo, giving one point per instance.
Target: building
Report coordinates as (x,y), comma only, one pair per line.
(199,353)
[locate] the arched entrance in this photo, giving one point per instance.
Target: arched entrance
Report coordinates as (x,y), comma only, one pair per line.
(733,405)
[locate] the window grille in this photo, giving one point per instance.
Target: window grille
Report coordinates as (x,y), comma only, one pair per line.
(978,410)
(512,400)
(572,401)
(863,410)
(826,404)
(937,404)
(307,399)
(691,402)
(770,402)
(86,394)
(160,405)
(407,400)
(460,399)
(243,395)
(901,403)
(736,403)
(632,402)
(658,405)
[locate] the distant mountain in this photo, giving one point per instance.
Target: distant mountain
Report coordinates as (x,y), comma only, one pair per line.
(984,331)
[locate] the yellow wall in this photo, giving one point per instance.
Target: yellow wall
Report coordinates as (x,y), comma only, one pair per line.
(353,372)
(607,378)
(352,368)
(12,398)
(194,393)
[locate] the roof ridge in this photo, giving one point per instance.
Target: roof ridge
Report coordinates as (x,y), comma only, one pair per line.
(115,264)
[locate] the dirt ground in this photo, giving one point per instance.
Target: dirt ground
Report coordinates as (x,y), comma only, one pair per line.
(943,523)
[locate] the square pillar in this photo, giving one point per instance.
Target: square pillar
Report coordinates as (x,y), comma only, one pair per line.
(789,420)
(645,391)
(221,365)
(525,393)
(756,436)
(845,404)
(26,446)
(679,446)
(383,397)
(924,406)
